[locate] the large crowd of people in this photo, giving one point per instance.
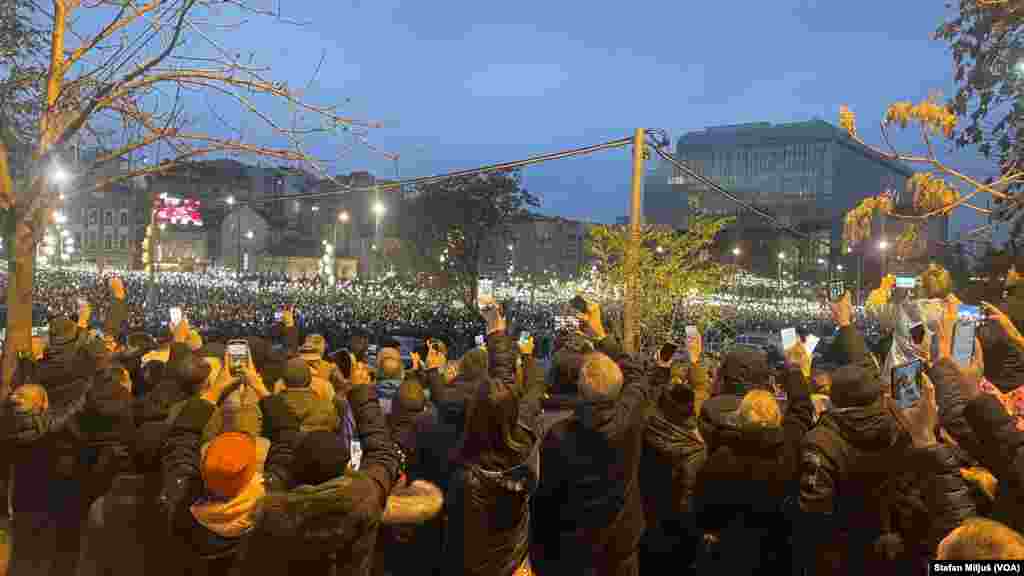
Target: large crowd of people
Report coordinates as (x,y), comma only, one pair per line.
(257,434)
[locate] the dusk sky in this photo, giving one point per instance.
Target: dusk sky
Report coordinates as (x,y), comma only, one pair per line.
(459,84)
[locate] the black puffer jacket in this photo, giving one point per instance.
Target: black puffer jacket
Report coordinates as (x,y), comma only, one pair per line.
(1002,453)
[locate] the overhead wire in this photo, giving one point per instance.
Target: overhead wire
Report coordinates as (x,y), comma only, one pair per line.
(424,180)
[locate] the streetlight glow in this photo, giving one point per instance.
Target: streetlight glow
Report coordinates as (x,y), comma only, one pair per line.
(821,261)
(511,247)
(883,245)
(736,251)
(249,235)
(782,255)
(231,200)
(59,175)
(343,216)
(379,208)
(839,267)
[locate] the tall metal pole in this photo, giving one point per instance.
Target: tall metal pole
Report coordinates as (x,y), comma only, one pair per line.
(238,239)
(629,316)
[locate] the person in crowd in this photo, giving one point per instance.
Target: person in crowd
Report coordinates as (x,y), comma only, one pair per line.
(500,460)
(744,368)
(390,373)
(740,492)
(674,452)
(333,516)
(847,460)
(313,411)
(589,493)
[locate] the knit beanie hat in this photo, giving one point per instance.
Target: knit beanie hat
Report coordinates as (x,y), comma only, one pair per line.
(297,374)
(320,456)
(229,464)
(855,385)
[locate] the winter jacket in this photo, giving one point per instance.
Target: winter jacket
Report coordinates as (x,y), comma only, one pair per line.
(717,421)
(495,504)
(1004,362)
(408,542)
(312,411)
(674,452)
(340,517)
(212,552)
(947,495)
(589,504)
(128,514)
(1002,452)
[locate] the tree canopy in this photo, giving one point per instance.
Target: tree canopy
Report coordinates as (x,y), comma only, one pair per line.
(445,224)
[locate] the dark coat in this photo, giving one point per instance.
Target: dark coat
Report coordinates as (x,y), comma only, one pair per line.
(589,511)
(1002,453)
(124,533)
(674,453)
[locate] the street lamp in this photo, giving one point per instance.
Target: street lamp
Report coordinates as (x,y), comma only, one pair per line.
(343,216)
(231,200)
(249,235)
(379,209)
(736,251)
(883,245)
(782,258)
(59,175)
(343,219)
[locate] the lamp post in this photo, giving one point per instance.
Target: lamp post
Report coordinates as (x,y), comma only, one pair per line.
(782,259)
(883,247)
(378,211)
(343,219)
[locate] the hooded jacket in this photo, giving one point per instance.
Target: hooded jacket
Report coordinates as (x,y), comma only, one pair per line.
(312,411)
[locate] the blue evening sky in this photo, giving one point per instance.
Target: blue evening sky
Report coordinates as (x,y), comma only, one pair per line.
(463,83)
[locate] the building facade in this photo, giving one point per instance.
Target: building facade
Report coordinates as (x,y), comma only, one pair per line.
(806,175)
(102,220)
(538,247)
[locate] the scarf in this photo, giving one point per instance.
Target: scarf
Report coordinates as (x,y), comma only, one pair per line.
(231,518)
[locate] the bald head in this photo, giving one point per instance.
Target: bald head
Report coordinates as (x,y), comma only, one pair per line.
(981,539)
(600,378)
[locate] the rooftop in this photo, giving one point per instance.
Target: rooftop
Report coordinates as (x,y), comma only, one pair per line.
(766,133)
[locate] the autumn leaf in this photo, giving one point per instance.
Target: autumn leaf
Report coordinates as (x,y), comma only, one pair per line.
(899,113)
(931,193)
(848,120)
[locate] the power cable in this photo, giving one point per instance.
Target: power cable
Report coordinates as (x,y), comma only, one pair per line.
(423,180)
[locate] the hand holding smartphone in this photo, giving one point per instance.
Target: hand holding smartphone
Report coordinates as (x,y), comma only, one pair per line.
(906,384)
(238,355)
(176,316)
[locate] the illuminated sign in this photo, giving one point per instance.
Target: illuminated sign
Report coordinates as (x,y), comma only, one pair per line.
(184,212)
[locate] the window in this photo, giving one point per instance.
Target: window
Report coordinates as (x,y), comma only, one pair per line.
(92,216)
(108,218)
(108,242)
(124,218)
(124,242)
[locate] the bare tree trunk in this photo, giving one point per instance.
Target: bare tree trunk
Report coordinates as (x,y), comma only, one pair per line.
(20,269)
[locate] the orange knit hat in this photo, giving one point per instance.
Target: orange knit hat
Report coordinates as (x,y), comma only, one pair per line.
(229,464)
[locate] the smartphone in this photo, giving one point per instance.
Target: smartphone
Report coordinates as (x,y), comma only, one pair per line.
(668,350)
(789,338)
(480,341)
(524,338)
(175,316)
(484,288)
(906,384)
(811,343)
(836,290)
(906,282)
(238,355)
(579,304)
(82,303)
(969,314)
(278,316)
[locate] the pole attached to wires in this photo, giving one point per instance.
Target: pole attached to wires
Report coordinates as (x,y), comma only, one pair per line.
(629,316)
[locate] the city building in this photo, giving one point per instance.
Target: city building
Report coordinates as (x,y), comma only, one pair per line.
(101,218)
(806,175)
(538,247)
(244,239)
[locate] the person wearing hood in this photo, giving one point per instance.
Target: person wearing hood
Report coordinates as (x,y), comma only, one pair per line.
(848,458)
(313,411)
(589,507)
(210,496)
(500,458)
(674,452)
